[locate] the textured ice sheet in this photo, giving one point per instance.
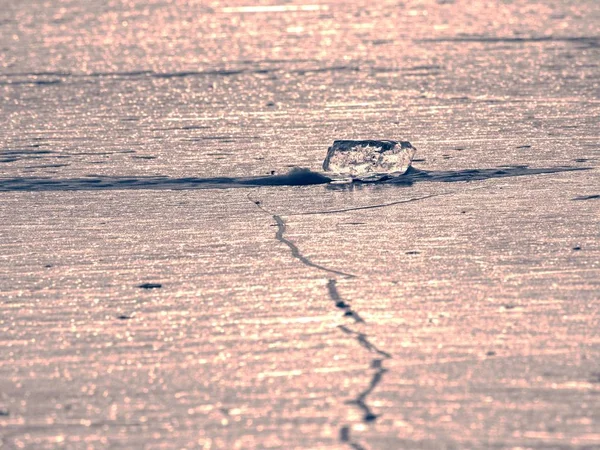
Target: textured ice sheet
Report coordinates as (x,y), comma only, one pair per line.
(455,309)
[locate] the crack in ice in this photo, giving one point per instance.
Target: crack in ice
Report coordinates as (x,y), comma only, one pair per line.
(279,235)
(281,228)
(359,208)
(340,303)
(377,364)
(360,401)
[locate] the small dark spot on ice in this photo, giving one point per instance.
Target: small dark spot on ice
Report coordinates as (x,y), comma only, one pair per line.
(581,160)
(43,82)
(509,306)
(463,212)
(150,286)
(4,412)
(124,317)
(47,266)
(413,252)
(348,313)
(270,103)
(588,197)
(341,304)
(524,146)
(370,417)
(490,353)
(576,248)
(344,434)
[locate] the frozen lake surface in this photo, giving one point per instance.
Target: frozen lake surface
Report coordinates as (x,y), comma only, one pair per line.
(167,282)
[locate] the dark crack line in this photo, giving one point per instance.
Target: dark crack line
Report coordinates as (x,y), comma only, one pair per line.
(279,235)
(360,400)
(340,303)
(587,197)
(345,437)
(296,252)
(363,340)
(377,363)
(359,208)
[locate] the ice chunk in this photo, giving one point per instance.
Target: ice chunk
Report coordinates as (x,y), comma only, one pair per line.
(368,160)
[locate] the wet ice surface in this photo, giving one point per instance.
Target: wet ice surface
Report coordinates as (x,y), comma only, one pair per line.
(454,307)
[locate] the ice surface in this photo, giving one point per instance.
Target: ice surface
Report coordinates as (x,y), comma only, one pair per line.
(128,161)
(368,160)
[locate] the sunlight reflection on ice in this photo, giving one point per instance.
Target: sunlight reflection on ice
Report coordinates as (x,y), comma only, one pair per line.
(273,8)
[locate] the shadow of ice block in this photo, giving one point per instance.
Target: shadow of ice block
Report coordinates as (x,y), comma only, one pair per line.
(368,160)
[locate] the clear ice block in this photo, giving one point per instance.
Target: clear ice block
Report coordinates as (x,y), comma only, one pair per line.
(368,160)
